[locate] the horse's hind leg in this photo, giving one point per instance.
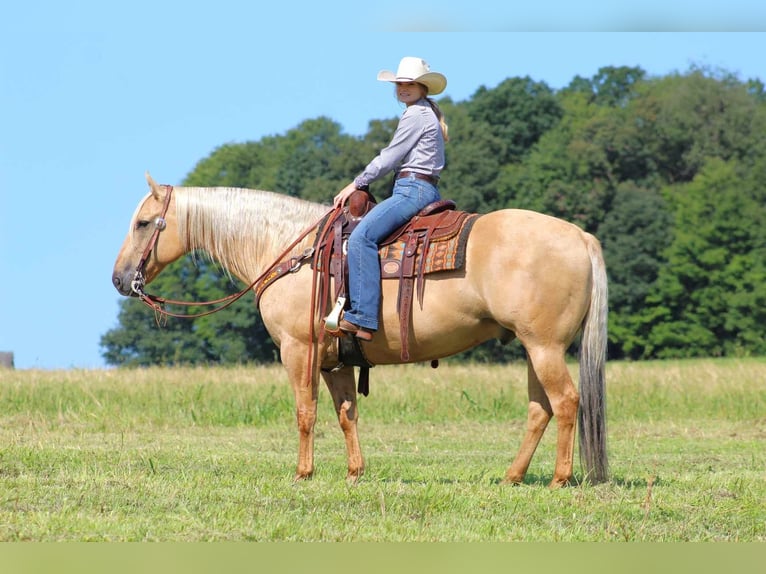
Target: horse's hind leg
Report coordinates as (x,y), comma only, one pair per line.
(343,390)
(539,414)
(551,393)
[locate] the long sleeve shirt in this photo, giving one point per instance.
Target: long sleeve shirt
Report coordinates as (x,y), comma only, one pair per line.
(417,145)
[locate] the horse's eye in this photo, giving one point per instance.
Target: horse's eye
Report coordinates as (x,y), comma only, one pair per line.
(142,223)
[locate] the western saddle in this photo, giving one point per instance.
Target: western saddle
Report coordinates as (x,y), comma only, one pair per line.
(433,240)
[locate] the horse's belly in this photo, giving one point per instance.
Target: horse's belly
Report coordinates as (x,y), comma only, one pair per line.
(450,321)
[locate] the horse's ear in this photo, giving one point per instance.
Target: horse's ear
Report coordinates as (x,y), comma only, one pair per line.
(155,189)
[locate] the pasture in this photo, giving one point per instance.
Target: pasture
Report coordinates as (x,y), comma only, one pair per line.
(208,454)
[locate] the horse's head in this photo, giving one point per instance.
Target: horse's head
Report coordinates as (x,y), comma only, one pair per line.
(152,241)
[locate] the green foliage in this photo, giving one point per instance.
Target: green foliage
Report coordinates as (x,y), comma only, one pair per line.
(634,235)
(668,172)
(714,269)
(230,336)
(613,86)
(472,158)
(684,120)
(516,113)
(571,172)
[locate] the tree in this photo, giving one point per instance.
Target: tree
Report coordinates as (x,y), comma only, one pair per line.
(472,161)
(517,113)
(611,86)
(697,116)
(635,234)
(668,172)
(567,173)
(316,161)
(232,335)
(252,165)
(708,299)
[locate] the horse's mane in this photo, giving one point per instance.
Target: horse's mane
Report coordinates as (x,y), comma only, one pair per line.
(242,229)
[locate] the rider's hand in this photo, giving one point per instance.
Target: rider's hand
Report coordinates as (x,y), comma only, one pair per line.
(343,195)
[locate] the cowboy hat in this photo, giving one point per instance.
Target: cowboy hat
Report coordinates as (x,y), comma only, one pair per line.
(416,70)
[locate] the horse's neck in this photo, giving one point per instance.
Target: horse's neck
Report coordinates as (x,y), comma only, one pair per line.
(244,230)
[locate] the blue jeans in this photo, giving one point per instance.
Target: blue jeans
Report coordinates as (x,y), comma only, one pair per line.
(409,196)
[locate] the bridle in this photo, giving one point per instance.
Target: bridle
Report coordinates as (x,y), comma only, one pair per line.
(138,282)
(276,270)
(272,273)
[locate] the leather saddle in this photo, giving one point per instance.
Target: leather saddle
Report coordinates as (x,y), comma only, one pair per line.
(433,240)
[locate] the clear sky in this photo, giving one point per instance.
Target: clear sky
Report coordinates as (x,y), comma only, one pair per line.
(94,93)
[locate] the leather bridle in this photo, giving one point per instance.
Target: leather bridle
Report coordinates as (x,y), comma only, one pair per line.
(272,273)
(276,270)
(137,284)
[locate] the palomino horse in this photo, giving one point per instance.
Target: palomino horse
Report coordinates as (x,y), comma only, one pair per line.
(526,275)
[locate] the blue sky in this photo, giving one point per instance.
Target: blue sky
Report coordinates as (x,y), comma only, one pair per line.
(94,93)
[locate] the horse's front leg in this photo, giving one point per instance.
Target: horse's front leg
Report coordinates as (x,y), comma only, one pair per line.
(343,390)
(305,384)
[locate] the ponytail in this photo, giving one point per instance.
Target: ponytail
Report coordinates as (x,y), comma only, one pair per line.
(440,117)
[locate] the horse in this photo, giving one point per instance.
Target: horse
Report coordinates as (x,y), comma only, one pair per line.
(527,275)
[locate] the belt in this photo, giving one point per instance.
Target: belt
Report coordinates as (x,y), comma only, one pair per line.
(429,178)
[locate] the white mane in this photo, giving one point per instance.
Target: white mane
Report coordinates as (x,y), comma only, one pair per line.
(243,229)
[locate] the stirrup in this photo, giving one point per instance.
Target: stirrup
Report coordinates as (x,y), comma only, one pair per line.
(332,320)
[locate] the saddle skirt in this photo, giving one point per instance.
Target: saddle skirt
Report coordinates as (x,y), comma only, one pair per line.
(432,241)
(442,250)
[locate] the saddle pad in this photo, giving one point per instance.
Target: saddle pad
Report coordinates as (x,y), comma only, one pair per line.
(445,254)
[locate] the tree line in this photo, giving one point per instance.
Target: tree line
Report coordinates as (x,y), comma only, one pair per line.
(668,172)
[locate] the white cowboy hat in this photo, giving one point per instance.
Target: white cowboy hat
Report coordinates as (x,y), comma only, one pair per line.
(416,70)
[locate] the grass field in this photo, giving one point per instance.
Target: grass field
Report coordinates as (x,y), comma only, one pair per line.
(209,454)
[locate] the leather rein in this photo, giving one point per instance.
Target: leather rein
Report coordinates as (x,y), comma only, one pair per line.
(272,273)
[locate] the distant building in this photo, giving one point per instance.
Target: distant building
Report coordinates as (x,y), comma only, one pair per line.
(6,359)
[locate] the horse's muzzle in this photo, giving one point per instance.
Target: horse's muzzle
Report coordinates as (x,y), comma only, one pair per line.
(124,284)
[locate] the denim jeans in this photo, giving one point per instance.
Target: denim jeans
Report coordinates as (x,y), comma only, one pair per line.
(409,196)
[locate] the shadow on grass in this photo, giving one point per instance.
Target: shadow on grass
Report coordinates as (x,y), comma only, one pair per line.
(492,477)
(533,479)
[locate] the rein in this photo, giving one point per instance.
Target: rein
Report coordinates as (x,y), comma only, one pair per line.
(273,272)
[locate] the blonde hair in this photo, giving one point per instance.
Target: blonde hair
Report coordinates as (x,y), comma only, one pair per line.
(440,117)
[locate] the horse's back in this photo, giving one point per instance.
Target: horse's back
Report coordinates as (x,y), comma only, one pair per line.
(526,274)
(539,246)
(530,229)
(532,269)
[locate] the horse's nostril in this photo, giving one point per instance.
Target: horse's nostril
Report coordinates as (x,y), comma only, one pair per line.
(116,281)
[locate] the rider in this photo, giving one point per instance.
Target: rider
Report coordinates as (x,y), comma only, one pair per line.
(416,153)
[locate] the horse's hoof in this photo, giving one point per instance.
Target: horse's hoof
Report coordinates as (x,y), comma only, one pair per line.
(513,480)
(353,477)
(559,483)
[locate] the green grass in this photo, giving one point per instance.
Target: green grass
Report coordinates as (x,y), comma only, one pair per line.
(209,454)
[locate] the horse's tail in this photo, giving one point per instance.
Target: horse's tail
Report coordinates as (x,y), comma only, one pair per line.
(592,412)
